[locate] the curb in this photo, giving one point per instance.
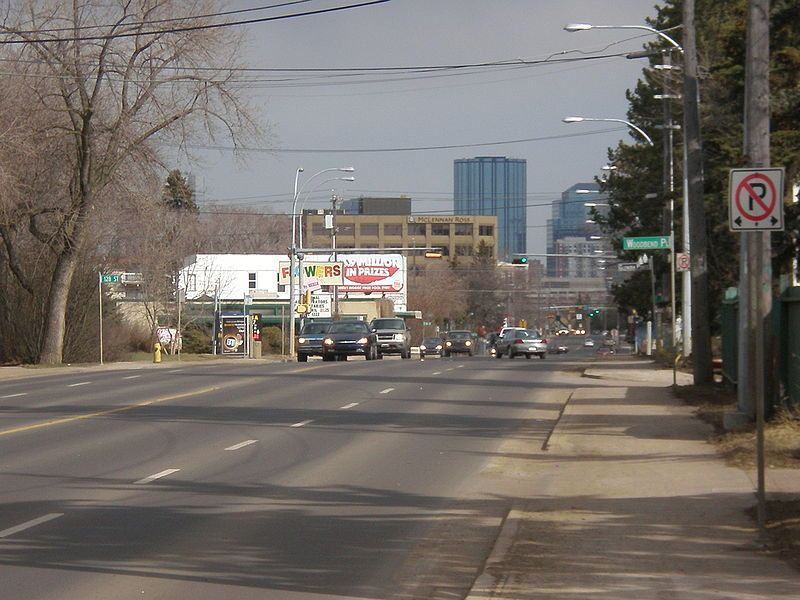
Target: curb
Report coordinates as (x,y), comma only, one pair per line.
(488,585)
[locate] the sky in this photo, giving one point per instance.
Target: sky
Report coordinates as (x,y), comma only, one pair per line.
(493,105)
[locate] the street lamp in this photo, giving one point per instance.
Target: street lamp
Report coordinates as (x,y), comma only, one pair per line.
(628,123)
(293,248)
(573,27)
(308,194)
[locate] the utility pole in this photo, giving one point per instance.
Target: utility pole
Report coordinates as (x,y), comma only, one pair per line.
(759,280)
(701,333)
(334,201)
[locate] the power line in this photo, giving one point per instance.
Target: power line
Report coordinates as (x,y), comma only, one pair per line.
(172,20)
(401,149)
(207,26)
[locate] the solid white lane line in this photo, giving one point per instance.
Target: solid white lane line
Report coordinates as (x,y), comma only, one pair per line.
(77,384)
(387,391)
(241,445)
(436,373)
(302,423)
(175,371)
(131,376)
(29,524)
(346,406)
(15,395)
(460,367)
(156,476)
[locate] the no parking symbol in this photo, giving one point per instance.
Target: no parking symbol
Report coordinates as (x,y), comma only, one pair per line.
(756,199)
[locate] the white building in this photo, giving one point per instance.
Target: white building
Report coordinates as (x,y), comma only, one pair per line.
(234,276)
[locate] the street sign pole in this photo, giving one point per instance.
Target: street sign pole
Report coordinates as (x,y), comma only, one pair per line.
(100,295)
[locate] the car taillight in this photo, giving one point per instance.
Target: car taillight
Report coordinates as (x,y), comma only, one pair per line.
(544,341)
(519,341)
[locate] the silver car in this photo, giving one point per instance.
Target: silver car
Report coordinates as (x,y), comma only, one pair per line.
(518,342)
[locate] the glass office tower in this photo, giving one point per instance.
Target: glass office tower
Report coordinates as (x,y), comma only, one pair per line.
(495,185)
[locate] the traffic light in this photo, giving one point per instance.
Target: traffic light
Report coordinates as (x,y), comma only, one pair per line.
(520,260)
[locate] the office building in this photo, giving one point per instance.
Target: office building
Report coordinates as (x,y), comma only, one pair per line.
(495,185)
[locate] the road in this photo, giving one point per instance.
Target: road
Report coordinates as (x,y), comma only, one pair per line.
(378,479)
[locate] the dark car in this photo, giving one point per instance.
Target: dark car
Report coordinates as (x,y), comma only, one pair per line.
(349,338)
(459,342)
(430,345)
(309,340)
(394,336)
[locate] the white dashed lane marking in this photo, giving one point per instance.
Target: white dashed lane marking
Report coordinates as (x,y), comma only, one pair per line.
(346,406)
(159,475)
(15,395)
(28,524)
(241,444)
(77,384)
(302,423)
(387,391)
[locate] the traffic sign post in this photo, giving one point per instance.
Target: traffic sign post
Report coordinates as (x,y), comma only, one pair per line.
(756,199)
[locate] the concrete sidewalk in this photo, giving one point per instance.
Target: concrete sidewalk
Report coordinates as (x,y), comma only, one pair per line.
(629,501)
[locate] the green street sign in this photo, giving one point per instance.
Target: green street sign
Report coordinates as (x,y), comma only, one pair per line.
(110,278)
(658,242)
(427,323)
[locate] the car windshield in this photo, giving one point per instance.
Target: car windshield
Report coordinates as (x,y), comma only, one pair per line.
(389,324)
(459,335)
(431,341)
(529,333)
(348,328)
(312,328)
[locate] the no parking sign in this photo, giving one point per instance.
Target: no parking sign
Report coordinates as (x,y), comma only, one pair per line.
(756,200)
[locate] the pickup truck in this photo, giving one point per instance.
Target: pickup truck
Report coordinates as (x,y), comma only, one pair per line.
(394,336)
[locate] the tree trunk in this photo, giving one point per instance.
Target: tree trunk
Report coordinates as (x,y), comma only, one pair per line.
(52,352)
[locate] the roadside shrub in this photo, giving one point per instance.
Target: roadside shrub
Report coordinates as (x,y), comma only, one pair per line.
(271,339)
(196,340)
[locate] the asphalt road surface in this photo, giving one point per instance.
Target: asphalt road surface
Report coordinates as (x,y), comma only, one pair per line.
(232,480)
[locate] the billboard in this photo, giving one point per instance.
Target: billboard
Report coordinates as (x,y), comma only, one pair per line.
(326,273)
(234,335)
(374,273)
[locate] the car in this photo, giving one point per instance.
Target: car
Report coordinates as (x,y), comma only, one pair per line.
(588,343)
(309,340)
(609,342)
(517,342)
(558,349)
(349,338)
(430,345)
(458,342)
(393,335)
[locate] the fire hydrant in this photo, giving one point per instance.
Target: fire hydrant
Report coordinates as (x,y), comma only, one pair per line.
(156,352)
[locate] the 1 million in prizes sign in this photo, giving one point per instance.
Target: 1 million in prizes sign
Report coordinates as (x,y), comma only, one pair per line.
(373,273)
(756,199)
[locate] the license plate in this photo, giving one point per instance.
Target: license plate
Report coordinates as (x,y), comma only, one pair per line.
(384,345)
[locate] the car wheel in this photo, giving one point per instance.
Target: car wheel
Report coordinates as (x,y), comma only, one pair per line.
(406,354)
(302,358)
(542,356)
(511,354)
(327,357)
(446,355)
(368,355)
(471,353)
(380,355)
(528,356)
(498,355)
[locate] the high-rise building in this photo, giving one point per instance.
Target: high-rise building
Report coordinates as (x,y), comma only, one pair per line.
(571,229)
(495,185)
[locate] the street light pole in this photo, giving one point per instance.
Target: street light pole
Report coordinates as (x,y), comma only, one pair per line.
(293,249)
(628,123)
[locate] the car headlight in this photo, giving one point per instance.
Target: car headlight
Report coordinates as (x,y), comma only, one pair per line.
(328,342)
(363,341)
(398,337)
(468,343)
(439,347)
(423,347)
(301,340)
(448,344)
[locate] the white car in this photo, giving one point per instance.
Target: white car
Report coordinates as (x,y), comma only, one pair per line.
(588,343)
(521,342)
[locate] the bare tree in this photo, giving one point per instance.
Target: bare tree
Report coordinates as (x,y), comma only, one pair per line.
(107,81)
